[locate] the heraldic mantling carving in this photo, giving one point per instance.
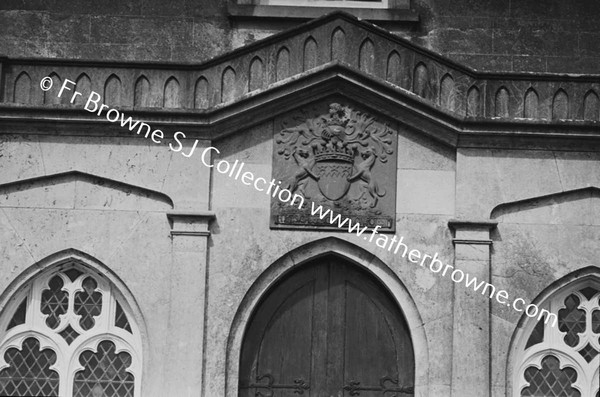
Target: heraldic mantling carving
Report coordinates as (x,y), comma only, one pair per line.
(339,153)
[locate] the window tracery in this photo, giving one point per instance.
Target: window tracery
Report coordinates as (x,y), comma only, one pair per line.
(69,333)
(564,360)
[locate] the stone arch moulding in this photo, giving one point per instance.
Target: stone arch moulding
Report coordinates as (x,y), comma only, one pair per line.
(304,254)
(66,258)
(506,210)
(157,199)
(589,275)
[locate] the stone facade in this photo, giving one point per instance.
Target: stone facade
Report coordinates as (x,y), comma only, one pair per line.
(493,35)
(495,171)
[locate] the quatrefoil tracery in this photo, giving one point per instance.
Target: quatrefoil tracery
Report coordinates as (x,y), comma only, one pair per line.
(85,304)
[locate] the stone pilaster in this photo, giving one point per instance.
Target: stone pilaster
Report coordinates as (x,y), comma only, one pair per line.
(3,60)
(471,328)
(185,339)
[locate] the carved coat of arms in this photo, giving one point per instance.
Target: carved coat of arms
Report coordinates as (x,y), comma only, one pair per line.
(344,160)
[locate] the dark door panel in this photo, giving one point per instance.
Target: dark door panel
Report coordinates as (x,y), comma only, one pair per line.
(327,329)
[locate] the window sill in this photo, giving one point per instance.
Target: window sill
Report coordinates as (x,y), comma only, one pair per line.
(239,11)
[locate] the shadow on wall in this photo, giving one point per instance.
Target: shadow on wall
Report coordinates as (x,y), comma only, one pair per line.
(574,207)
(79,190)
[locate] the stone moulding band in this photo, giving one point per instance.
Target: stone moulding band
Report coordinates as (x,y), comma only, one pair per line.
(190,223)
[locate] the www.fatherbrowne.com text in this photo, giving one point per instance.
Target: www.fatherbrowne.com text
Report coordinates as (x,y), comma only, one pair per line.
(273,188)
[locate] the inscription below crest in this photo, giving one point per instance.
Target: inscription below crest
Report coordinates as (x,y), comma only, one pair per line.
(342,160)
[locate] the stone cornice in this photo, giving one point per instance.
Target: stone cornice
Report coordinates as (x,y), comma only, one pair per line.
(333,79)
(335,54)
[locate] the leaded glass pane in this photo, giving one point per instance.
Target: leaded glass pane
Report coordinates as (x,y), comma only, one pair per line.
(73,274)
(54,302)
(596,321)
(571,320)
(69,334)
(104,373)
(19,316)
(88,303)
(550,381)
(589,292)
(29,373)
(537,335)
(121,320)
(588,352)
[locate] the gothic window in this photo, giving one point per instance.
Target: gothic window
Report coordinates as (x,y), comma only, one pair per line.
(327,329)
(563,359)
(68,332)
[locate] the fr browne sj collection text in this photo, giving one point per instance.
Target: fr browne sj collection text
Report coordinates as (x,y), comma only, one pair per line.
(93,105)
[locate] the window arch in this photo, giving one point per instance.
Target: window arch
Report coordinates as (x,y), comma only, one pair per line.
(69,332)
(562,360)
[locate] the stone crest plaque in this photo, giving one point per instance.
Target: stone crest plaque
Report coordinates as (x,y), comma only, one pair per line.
(337,157)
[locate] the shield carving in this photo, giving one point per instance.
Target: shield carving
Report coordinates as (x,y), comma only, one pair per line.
(333,178)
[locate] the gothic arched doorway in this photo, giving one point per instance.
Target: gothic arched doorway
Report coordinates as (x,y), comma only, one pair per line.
(327,329)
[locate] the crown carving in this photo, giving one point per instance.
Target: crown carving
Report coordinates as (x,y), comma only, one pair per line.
(330,152)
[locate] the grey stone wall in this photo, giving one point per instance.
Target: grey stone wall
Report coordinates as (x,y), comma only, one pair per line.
(497,35)
(505,35)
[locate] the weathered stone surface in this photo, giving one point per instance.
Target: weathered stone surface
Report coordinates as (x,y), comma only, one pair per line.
(425,192)
(448,27)
(503,178)
(232,271)
(546,202)
(463,41)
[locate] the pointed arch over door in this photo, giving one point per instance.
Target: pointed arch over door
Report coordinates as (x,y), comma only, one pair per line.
(327,329)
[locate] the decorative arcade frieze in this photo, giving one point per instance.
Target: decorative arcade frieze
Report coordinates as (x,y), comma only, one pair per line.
(334,39)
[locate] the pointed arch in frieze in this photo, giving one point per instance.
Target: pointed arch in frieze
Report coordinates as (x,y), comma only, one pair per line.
(142,93)
(113,91)
(448,93)
(366,57)
(473,102)
(51,96)
(421,81)
(394,68)
(171,94)
(338,45)
(502,103)
(256,76)
(530,105)
(22,88)
(311,57)
(201,93)
(83,84)
(283,70)
(560,105)
(591,106)
(228,84)
(353,255)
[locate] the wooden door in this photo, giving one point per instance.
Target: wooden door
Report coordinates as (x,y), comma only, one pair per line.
(327,329)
